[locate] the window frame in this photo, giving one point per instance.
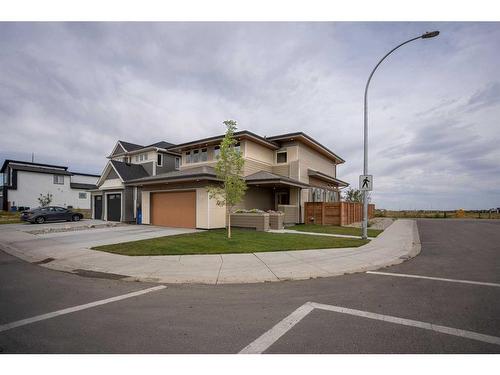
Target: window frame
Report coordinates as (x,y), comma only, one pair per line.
(216,152)
(196,156)
(203,155)
(278,153)
(159,160)
(177,163)
(80,195)
(56,179)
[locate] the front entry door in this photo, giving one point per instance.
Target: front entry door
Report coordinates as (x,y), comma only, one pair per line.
(98,207)
(114,207)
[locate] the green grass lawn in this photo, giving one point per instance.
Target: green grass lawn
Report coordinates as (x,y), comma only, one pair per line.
(7,217)
(332,229)
(215,242)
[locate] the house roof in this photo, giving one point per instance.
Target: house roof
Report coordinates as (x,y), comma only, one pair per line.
(77,185)
(85,174)
(128,171)
(30,168)
(202,172)
(130,146)
(308,140)
(263,177)
(9,161)
(162,144)
(217,138)
(325,177)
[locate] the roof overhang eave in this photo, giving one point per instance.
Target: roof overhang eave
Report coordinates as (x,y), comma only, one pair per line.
(167,180)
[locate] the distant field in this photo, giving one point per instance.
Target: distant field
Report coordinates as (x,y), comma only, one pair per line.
(436,214)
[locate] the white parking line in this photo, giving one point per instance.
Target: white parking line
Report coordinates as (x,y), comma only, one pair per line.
(69,310)
(433,278)
(270,337)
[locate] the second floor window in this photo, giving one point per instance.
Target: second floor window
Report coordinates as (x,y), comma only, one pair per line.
(203,154)
(177,163)
(216,152)
(281,157)
(160,160)
(196,156)
(188,157)
(58,179)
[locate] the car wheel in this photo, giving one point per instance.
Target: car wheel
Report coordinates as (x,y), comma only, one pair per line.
(76,217)
(40,220)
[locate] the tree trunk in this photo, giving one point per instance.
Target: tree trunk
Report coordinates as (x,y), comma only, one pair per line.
(228,223)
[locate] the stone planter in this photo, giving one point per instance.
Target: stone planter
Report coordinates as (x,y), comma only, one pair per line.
(276,221)
(258,221)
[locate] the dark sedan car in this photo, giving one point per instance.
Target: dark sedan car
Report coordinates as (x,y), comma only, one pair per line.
(41,215)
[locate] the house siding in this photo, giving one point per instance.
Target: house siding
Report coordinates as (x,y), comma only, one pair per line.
(310,159)
(30,185)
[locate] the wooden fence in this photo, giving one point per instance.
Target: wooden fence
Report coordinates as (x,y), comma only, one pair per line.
(335,213)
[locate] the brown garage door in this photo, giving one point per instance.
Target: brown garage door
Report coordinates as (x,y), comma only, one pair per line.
(174,209)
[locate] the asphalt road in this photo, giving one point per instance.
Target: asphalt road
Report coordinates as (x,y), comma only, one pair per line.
(227,318)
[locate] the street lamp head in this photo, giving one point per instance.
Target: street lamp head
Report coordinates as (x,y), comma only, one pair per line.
(430,34)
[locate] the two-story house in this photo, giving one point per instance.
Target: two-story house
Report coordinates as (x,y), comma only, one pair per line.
(282,172)
(117,200)
(23,182)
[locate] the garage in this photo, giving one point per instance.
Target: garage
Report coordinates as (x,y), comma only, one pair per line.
(174,209)
(114,207)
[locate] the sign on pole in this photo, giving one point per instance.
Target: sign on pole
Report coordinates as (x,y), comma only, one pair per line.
(366,182)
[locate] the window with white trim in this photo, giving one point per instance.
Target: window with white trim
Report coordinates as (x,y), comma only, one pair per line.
(188,157)
(203,154)
(58,179)
(82,195)
(196,156)
(177,162)
(160,160)
(216,152)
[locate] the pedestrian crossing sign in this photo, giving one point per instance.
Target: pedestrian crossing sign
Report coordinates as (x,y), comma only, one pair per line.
(366,182)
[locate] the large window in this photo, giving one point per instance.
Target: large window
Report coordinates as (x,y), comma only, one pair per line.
(58,179)
(203,154)
(281,157)
(196,156)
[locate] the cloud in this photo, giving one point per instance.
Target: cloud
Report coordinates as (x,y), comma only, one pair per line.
(68,91)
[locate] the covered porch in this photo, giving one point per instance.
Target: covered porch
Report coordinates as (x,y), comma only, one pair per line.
(269,191)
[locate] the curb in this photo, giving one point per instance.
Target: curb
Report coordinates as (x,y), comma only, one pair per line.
(412,251)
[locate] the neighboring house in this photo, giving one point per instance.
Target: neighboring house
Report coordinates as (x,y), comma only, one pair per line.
(23,182)
(282,172)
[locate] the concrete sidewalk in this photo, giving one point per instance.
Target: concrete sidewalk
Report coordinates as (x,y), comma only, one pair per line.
(397,243)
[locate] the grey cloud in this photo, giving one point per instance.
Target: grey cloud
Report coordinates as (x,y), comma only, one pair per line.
(80,86)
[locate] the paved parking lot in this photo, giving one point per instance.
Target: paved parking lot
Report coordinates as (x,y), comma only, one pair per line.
(453,306)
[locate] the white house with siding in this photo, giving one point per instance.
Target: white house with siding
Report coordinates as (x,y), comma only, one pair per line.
(23,182)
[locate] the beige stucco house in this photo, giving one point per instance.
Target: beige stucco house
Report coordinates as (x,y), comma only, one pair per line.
(282,172)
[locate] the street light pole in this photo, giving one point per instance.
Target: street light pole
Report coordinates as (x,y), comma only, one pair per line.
(365,134)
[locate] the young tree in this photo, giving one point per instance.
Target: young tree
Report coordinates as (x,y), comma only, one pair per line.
(45,200)
(229,169)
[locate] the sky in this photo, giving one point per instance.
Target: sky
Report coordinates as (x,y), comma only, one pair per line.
(69,91)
